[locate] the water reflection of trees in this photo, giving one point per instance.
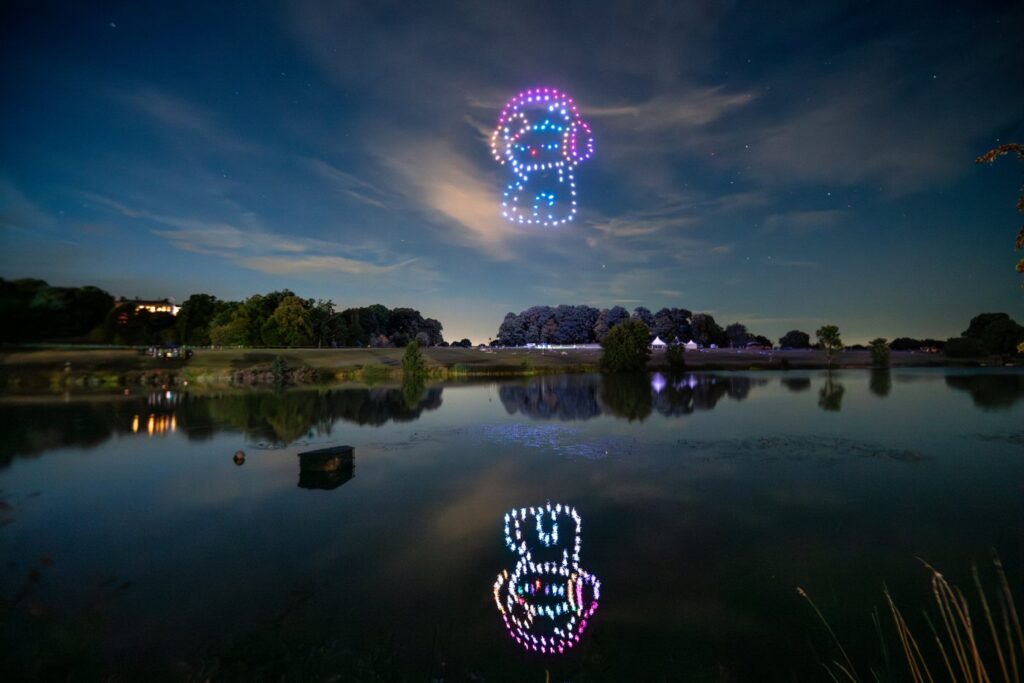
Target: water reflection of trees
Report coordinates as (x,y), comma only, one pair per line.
(830,396)
(686,394)
(629,396)
(558,397)
(797,384)
(32,427)
(990,391)
(283,417)
(880,383)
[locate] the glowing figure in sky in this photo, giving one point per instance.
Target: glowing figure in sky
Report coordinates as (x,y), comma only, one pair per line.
(542,138)
(547,598)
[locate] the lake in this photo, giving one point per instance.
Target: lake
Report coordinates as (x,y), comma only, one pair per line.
(133,543)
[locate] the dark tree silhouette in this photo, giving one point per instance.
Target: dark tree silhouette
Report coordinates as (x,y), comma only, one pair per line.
(990,156)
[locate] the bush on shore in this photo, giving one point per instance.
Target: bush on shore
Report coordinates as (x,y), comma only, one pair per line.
(625,347)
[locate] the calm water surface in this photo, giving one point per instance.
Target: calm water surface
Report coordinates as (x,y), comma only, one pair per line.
(132,543)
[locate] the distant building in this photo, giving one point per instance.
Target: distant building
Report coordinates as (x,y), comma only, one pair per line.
(658,344)
(151,305)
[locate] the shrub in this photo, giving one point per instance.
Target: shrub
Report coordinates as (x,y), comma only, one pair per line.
(413,364)
(879,352)
(279,368)
(625,347)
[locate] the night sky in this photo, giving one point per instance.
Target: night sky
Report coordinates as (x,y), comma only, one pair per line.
(785,167)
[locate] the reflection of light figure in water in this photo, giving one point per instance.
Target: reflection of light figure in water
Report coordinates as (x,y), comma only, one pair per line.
(542,137)
(546,602)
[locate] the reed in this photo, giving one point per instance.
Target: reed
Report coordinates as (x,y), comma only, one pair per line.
(966,641)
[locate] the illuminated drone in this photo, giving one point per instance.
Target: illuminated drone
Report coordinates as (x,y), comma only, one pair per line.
(546,600)
(542,137)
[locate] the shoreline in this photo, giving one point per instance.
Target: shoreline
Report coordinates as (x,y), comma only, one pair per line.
(62,369)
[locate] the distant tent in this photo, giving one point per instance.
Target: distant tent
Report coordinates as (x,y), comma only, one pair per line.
(658,344)
(691,345)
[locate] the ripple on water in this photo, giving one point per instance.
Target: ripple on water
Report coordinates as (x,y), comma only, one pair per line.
(564,440)
(797,448)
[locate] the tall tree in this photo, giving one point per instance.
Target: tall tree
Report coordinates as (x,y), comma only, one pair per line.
(434,331)
(608,318)
(990,156)
(644,315)
(996,333)
(403,325)
(231,326)
(831,343)
(795,339)
(737,335)
(706,331)
(289,325)
(321,321)
(672,324)
(194,318)
(512,331)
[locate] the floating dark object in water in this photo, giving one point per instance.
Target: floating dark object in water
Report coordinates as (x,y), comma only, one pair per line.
(327,459)
(325,480)
(326,468)
(239,457)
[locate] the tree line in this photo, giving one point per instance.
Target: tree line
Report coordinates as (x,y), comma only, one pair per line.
(34,311)
(284,319)
(584,324)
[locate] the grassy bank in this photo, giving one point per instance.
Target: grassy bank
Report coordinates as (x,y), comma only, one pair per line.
(57,368)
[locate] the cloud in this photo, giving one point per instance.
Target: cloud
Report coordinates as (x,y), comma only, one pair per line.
(263,250)
(898,112)
(18,212)
(643,223)
(688,107)
(448,188)
(284,265)
(348,184)
(178,115)
(216,238)
(108,203)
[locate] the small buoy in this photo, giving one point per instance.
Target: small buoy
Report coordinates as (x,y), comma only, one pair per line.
(239,458)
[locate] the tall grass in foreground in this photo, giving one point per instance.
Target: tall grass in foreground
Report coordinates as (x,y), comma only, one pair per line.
(954,647)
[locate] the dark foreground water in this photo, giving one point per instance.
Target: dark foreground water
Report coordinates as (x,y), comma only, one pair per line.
(132,544)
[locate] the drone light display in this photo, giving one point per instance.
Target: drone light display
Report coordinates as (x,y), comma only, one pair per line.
(542,138)
(547,598)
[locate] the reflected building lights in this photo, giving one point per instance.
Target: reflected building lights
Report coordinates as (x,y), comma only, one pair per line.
(547,599)
(156,425)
